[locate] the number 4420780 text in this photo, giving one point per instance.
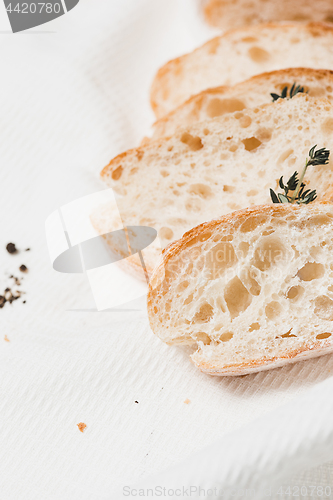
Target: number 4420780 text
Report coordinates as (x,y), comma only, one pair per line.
(32,8)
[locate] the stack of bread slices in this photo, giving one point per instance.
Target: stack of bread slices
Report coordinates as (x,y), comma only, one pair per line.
(246,281)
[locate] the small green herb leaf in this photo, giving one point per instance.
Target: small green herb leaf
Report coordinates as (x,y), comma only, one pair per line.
(292,183)
(295,89)
(319,157)
(275,199)
(283,198)
(295,184)
(275,97)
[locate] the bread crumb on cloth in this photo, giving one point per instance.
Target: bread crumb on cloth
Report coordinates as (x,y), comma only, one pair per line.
(81,426)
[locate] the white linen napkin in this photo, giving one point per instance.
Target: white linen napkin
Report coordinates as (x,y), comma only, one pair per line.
(74,93)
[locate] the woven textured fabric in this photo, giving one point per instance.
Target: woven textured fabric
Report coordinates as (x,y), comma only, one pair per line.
(74,94)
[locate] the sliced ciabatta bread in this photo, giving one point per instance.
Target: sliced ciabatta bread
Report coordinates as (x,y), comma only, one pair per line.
(238,55)
(254,289)
(227,14)
(218,166)
(254,92)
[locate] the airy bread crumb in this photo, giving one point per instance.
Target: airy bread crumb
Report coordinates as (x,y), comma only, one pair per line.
(239,54)
(215,167)
(227,14)
(253,289)
(256,91)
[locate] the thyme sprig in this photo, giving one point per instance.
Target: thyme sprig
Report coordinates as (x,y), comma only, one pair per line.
(295,89)
(294,189)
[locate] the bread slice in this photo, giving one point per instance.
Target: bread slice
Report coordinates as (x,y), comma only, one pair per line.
(253,289)
(217,166)
(254,92)
(226,14)
(238,55)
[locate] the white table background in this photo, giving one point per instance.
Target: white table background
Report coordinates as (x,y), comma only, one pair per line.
(74,93)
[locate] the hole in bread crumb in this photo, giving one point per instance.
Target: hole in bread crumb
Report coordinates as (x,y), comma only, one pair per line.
(269,253)
(319,220)
(189,299)
(243,247)
(252,192)
(296,252)
(219,258)
(116,174)
(220,304)
(264,134)
(201,190)
(251,143)
(140,154)
(268,232)
(237,297)
(248,278)
(172,268)
(228,189)
(218,107)
(311,271)
(324,307)
(165,233)
(193,205)
(225,337)
(245,121)
(194,143)
(255,288)
(227,237)
(322,336)
(273,309)
(254,326)
(202,337)
(205,313)
(182,286)
(249,39)
(258,55)
(315,252)
(285,155)
(288,335)
(205,236)
(295,292)
(164,173)
(327,126)
(252,222)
